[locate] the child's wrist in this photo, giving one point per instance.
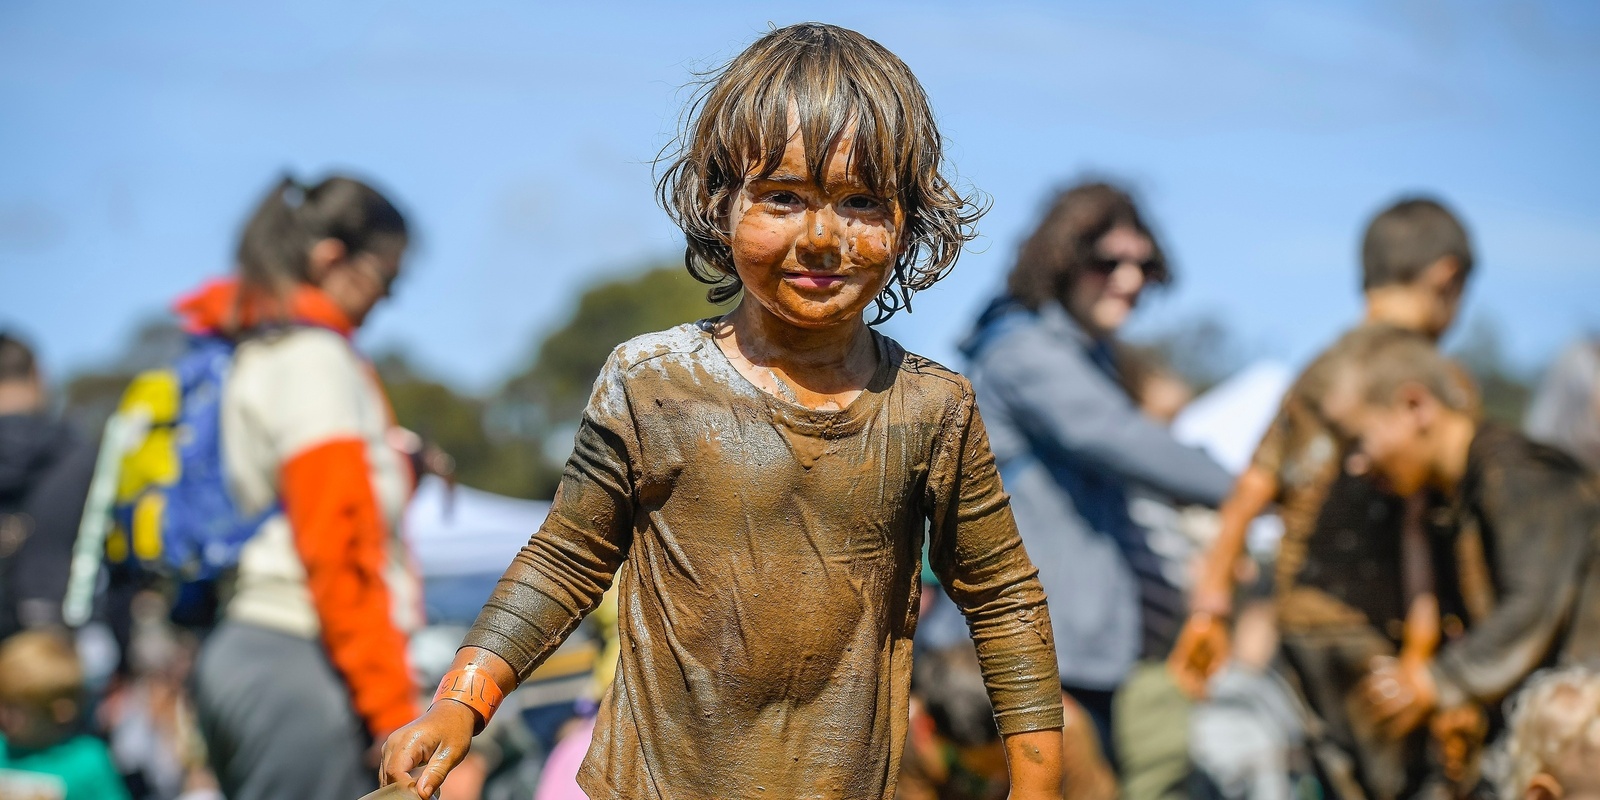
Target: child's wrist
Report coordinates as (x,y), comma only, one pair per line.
(472,688)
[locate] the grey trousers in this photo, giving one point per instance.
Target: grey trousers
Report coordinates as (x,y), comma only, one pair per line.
(277,719)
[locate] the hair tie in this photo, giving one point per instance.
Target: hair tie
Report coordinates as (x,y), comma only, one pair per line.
(294,193)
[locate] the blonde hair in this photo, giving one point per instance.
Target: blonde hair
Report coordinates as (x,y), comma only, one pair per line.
(834,78)
(1555,716)
(39,668)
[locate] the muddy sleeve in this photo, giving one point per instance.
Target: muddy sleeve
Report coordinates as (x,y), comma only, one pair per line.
(1271,453)
(977,554)
(565,568)
(1540,545)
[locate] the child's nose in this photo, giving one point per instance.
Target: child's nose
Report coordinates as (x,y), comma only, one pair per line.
(822,234)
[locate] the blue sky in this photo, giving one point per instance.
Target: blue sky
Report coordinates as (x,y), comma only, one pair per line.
(135,137)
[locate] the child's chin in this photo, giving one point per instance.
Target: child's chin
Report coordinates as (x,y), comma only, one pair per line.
(822,311)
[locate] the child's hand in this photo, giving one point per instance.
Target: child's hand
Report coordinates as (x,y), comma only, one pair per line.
(440,739)
(1399,694)
(1201,650)
(1458,735)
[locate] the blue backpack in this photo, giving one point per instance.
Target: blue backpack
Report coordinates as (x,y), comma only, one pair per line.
(172,513)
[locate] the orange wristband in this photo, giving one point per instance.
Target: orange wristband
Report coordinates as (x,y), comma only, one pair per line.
(470,687)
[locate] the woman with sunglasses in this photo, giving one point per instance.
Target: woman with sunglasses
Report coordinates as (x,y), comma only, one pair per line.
(1070,440)
(307,667)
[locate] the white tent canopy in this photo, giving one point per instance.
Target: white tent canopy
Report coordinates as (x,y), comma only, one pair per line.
(468,531)
(1229,420)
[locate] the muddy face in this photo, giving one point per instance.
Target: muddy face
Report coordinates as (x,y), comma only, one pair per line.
(1391,438)
(813,251)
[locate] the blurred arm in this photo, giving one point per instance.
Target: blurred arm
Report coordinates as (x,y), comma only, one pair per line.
(1541,543)
(318,391)
(1061,398)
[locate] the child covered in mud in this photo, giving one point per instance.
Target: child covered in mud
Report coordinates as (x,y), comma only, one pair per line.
(763,480)
(1536,510)
(1346,579)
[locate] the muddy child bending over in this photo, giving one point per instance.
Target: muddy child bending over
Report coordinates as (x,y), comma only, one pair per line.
(763,480)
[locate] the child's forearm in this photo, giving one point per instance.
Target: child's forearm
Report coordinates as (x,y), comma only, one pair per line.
(1251,495)
(1034,760)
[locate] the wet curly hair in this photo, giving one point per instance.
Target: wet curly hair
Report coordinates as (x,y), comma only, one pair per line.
(835,79)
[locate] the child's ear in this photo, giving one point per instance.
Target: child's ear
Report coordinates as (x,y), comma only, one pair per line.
(1544,786)
(1444,274)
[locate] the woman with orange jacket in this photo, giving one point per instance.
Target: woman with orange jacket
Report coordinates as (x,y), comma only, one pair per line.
(308,666)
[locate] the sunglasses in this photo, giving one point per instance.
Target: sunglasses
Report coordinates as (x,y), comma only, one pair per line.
(1106,266)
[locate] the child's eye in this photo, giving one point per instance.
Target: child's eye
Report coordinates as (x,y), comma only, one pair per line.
(863,202)
(782,198)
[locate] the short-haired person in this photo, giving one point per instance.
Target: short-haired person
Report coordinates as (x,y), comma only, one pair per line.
(44,751)
(1534,508)
(764,480)
(1070,441)
(1552,746)
(308,667)
(1341,591)
(45,469)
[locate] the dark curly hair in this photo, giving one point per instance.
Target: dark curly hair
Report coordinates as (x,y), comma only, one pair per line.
(1062,247)
(834,78)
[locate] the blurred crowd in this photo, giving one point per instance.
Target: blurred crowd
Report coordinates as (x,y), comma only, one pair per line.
(213,598)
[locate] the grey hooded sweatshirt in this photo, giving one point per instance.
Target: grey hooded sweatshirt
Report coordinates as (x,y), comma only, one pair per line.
(1069,441)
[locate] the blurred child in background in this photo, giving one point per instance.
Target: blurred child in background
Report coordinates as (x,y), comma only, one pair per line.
(45,470)
(1341,594)
(44,752)
(1535,510)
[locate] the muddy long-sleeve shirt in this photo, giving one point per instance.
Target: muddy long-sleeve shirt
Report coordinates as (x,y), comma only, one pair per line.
(1538,514)
(768,560)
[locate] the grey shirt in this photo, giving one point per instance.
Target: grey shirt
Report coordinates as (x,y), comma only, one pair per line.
(1069,441)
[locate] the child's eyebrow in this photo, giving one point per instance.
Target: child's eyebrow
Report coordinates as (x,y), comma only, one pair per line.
(784,177)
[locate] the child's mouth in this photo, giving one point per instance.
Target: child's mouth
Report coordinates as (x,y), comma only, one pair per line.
(814,280)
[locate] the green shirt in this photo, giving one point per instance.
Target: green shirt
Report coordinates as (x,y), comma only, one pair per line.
(77,769)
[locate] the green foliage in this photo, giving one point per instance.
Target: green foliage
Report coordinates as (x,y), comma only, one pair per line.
(89,397)
(515,441)
(454,422)
(568,359)
(1201,349)
(1505,393)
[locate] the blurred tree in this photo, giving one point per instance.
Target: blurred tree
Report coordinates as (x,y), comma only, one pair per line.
(557,384)
(1201,349)
(454,422)
(90,396)
(1505,392)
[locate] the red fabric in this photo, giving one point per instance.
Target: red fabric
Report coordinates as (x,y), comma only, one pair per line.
(339,533)
(217,307)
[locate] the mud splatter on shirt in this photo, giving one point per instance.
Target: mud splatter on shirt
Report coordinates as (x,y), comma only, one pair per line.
(768,558)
